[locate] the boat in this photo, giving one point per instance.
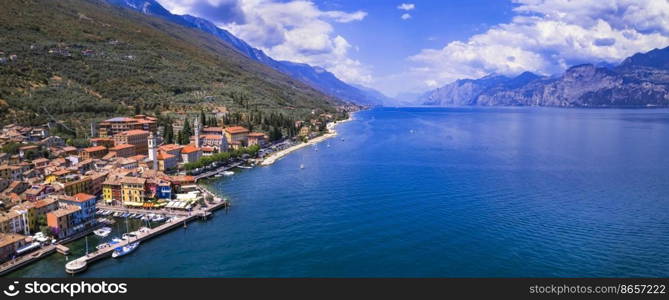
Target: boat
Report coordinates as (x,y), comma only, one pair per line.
(158,218)
(145,218)
(125,250)
(139,216)
(218,175)
(76,266)
(245,167)
(228,173)
(301,166)
(127,236)
(28,248)
(108,244)
(117,240)
(103,232)
(117,214)
(40,237)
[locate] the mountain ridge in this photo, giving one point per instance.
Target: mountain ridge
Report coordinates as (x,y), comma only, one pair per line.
(639,80)
(317,77)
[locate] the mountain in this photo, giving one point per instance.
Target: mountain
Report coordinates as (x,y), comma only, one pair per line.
(461,92)
(79,60)
(640,80)
(317,77)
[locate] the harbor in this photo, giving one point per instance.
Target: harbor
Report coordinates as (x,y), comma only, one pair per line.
(178,219)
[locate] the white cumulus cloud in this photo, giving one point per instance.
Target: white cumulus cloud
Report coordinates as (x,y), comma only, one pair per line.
(548,36)
(406,16)
(406,6)
(295,30)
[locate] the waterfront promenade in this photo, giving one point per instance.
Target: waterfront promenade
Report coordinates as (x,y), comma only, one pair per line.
(21,261)
(272,158)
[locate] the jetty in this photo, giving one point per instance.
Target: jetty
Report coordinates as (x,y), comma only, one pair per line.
(180,220)
(218,170)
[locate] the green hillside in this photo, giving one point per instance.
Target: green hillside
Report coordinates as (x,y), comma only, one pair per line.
(81,60)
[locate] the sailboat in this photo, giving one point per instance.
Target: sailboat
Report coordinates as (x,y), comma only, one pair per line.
(301,166)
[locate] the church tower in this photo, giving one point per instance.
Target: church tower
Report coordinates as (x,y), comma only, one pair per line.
(153,151)
(197,132)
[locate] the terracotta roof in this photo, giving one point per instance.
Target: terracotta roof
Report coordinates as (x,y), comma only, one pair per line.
(189,149)
(164,155)
(64,211)
(83,197)
(94,149)
(44,202)
(10,238)
(256,134)
(236,130)
(40,160)
(169,147)
(121,147)
(212,136)
(133,132)
(133,180)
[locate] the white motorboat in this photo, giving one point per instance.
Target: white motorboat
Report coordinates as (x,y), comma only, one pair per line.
(228,173)
(158,218)
(103,232)
(125,250)
(40,237)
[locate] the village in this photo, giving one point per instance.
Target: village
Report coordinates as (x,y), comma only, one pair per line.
(53,193)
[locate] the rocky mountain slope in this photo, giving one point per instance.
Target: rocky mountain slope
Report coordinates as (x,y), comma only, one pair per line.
(86,59)
(317,77)
(640,80)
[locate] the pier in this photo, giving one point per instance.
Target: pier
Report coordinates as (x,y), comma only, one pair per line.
(181,218)
(218,170)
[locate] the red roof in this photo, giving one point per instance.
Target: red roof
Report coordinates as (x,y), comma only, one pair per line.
(189,149)
(83,197)
(256,134)
(164,155)
(95,149)
(133,132)
(236,130)
(121,147)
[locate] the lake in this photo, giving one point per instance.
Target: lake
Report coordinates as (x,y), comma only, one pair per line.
(436,192)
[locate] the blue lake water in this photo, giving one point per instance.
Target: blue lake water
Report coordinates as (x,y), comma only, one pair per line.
(452,192)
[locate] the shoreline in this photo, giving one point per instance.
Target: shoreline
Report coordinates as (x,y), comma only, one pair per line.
(272,158)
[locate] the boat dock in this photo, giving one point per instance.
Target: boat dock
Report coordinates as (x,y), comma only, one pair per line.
(214,172)
(80,264)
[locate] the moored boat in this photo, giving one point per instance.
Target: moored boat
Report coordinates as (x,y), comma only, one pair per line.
(125,250)
(102,232)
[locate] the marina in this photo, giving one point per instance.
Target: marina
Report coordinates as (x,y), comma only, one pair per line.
(131,241)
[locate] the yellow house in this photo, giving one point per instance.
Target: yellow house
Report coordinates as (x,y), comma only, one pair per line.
(82,185)
(53,177)
(111,190)
(132,191)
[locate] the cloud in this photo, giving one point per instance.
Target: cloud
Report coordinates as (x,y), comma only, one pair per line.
(295,30)
(406,16)
(548,36)
(406,6)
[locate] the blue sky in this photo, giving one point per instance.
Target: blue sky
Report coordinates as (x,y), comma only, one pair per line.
(414,46)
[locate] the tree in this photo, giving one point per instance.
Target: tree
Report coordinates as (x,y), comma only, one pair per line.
(11,148)
(203,117)
(169,133)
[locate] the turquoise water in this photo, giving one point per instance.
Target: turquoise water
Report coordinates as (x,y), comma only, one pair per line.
(453,192)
